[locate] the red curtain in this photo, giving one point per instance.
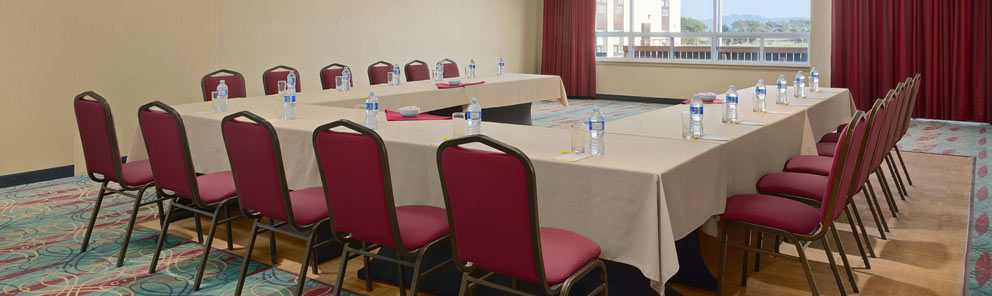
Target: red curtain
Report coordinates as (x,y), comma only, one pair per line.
(568,44)
(878,43)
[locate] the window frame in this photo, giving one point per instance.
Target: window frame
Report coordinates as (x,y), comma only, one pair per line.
(714,43)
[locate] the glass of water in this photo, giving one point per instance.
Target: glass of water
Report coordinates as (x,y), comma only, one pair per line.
(458,124)
(391,77)
(579,131)
(339,83)
(686,134)
(282,87)
(214,103)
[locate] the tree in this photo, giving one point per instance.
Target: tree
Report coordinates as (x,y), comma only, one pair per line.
(798,25)
(777,27)
(748,26)
(693,25)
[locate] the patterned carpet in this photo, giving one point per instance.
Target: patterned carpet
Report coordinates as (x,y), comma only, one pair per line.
(963,139)
(553,114)
(42,226)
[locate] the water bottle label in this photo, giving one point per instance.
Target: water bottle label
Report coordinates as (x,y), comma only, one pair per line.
(731,99)
(761,91)
(597,125)
(696,110)
(371,106)
(781,84)
(476,115)
(293,98)
(815,75)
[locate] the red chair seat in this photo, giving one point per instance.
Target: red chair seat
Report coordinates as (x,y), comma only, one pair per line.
(309,205)
(564,253)
(419,225)
(826,149)
(809,164)
(830,138)
(794,184)
(137,173)
(216,187)
(772,211)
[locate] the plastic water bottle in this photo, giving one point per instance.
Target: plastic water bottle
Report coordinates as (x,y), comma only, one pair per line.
(291,79)
(222,95)
(471,69)
(696,116)
(500,67)
(814,80)
(782,98)
(474,117)
(597,133)
(346,76)
(801,85)
(289,101)
(730,106)
(799,76)
(372,111)
(396,75)
(760,92)
(439,72)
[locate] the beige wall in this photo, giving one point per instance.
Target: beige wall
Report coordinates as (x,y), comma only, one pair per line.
(681,80)
(133,51)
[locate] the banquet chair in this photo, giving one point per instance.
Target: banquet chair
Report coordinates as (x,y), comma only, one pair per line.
(911,105)
(175,177)
(235,84)
(820,165)
(798,222)
(450,68)
(256,163)
(272,76)
(103,165)
(379,72)
(494,223)
(330,73)
(354,170)
(417,70)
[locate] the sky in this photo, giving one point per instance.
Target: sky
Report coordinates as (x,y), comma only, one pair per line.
(703,9)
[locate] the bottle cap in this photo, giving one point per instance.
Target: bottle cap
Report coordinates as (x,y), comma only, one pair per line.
(475,100)
(371,93)
(761,81)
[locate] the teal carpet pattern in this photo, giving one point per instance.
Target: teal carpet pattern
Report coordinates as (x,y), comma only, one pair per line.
(971,140)
(42,226)
(553,114)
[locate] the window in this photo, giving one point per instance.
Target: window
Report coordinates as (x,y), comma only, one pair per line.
(750,32)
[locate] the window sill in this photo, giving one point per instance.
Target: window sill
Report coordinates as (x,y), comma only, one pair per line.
(707,65)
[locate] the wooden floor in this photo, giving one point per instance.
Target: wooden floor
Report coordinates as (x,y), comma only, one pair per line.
(924,253)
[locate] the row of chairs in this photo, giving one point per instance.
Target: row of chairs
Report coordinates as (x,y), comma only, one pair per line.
(801,203)
(416,70)
(490,216)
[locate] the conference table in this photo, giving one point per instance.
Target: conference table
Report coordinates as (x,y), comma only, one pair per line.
(650,188)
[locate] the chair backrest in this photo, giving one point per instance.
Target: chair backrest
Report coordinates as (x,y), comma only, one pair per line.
(168,150)
(379,72)
(492,212)
(96,131)
(911,105)
(330,73)
(450,68)
(843,172)
(417,70)
(256,163)
(866,152)
(272,76)
(354,170)
(902,94)
(886,124)
(235,84)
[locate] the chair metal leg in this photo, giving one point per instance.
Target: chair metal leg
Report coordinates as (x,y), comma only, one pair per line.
(161,212)
(833,265)
(307,252)
(747,242)
(96,212)
(896,173)
(896,178)
(161,238)
(857,239)
(843,258)
(864,234)
(806,268)
(401,277)
(757,256)
(464,285)
(415,281)
(886,192)
(908,179)
(722,264)
(368,268)
(230,236)
(199,228)
(130,225)
(272,243)
(342,268)
(206,247)
(244,266)
(876,211)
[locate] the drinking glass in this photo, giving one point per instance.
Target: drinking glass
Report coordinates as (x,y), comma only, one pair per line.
(360,113)
(214,103)
(339,83)
(458,124)
(579,132)
(686,134)
(282,87)
(391,77)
